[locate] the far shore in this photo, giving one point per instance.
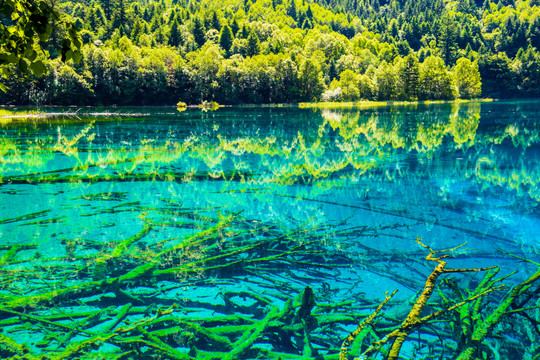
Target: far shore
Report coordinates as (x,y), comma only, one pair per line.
(13,112)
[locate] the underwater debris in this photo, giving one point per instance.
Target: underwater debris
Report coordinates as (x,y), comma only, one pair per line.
(352,336)
(300,328)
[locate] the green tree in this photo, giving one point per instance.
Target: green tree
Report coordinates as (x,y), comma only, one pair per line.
(107,8)
(92,22)
(497,76)
(306,24)
(286,89)
(216,24)
(20,40)
(409,72)
(467,79)
(393,28)
(119,15)
(291,10)
(309,13)
(234,26)
(226,38)
(253,46)
(528,66)
(435,81)
(198,31)
(175,37)
(310,80)
(386,80)
(348,82)
(534,33)
(68,87)
(448,39)
(101,19)
(137,30)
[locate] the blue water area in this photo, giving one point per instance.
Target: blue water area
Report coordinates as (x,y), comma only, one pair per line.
(271,232)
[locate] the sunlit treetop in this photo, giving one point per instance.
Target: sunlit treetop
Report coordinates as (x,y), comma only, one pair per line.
(24,28)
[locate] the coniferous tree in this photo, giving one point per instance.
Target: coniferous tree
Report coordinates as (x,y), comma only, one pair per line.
(101,19)
(234,26)
(198,31)
(119,16)
(301,18)
(291,10)
(534,33)
(447,39)
(155,24)
(91,20)
(137,31)
(409,74)
(226,38)
(393,28)
(253,46)
(146,15)
(413,35)
(244,33)
(136,9)
(207,23)
(215,22)
(332,71)
(175,37)
(107,8)
(309,13)
(161,37)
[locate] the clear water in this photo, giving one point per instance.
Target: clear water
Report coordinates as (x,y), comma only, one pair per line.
(149,233)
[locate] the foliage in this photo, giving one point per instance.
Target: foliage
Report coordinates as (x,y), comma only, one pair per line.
(320,40)
(467,79)
(25,26)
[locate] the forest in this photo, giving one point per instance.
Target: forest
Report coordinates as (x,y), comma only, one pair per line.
(143,52)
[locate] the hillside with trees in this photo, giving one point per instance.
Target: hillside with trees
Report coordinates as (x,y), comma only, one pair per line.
(142,52)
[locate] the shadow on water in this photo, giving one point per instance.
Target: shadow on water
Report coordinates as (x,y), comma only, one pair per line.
(271,233)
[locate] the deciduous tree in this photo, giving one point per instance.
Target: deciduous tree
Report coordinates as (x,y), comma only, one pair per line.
(467,79)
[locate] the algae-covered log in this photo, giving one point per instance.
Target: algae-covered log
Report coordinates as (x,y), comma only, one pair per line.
(482,327)
(414,319)
(352,336)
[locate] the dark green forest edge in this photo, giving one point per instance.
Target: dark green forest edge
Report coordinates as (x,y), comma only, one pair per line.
(282,51)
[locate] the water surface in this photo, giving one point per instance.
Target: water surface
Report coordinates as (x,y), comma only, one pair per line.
(139,233)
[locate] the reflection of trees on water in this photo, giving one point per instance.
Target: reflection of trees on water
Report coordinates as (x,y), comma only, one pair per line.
(326,146)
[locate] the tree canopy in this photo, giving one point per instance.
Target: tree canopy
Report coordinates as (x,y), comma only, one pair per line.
(236,51)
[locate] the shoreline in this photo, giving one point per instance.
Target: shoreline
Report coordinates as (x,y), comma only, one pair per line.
(9,113)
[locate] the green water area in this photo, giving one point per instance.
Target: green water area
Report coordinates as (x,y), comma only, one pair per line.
(271,233)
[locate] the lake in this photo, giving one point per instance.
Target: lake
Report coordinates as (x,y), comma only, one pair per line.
(272,233)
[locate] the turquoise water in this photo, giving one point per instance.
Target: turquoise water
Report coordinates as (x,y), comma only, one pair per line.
(151,233)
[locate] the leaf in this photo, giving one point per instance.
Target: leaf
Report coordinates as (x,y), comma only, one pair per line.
(5,72)
(38,68)
(66,43)
(76,42)
(12,58)
(30,54)
(77,56)
(23,65)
